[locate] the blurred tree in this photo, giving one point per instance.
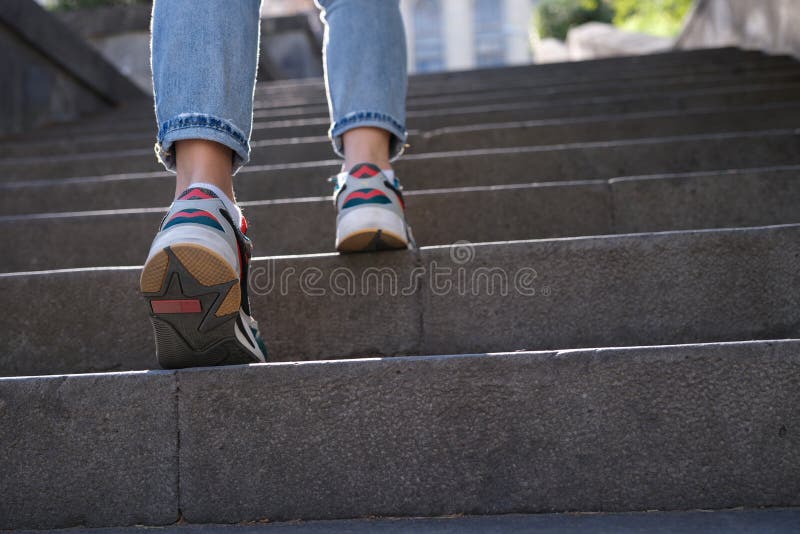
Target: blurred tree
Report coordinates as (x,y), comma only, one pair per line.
(656,17)
(554,18)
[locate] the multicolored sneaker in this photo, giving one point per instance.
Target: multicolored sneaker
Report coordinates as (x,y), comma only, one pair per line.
(371,211)
(195,285)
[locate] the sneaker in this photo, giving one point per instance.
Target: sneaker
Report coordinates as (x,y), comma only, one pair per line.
(371,211)
(195,285)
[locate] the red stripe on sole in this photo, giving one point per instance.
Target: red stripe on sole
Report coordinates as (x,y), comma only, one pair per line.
(175,306)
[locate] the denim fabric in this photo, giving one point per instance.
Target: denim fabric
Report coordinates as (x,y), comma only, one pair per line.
(204,59)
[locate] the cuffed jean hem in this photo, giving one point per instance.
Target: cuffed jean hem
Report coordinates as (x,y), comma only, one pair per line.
(358,119)
(200,126)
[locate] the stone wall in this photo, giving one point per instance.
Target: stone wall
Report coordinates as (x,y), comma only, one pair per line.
(769,25)
(48,73)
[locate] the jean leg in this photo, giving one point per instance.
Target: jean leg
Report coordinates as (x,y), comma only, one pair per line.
(365,68)
(204,60)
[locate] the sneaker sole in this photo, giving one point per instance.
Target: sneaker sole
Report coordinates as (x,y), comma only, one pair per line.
(371,239)
(194,298)
(368,229)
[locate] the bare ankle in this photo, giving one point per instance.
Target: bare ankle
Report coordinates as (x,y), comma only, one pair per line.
(198,160)
(366,145)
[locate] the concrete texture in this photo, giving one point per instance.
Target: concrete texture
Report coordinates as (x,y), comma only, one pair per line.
(652,83)
(739,198)
(280,227)
(560,92)
(627,290)
(549,163)
(604,127)
(408,437)
(683,201)
(65,322)
(48,63)
(597,430)
(140,143)
(91,450)
(682,287)
(53,95)
(769,521)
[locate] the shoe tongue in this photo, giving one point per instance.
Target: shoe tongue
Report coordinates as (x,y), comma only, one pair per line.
(197,193)
(364,170)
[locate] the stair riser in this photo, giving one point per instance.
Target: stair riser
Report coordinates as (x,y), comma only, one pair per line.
(637,205)
(630,290)
(552,95)
(600,69)
(267,100)
(476,168)
(688,428)
(556,94)
(606,128)
(459,116)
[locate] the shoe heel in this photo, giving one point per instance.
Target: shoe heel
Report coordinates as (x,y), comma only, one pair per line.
(193,297)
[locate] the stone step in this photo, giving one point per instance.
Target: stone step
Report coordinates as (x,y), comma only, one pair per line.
(140,117)
(558,93)
(600,68)
(749,197)
(644,87)
(772,520)
(709,426)
(567,162)
(659,288)
(283,133)
(488,135)
(549,84)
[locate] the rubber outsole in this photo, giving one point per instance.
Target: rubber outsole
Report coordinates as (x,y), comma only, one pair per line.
(185,337)
(371,239)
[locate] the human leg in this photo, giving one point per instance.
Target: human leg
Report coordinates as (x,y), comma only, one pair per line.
(195,277)
(366,78)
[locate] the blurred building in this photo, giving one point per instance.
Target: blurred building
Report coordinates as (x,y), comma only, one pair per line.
(466,34)
(453,34)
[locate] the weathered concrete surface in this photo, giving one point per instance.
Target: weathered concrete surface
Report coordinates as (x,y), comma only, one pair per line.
(50,74)
(644,289)
(53,96)
(607,127)
(640,83)
(281,227)
(90,450)
(600,430)
(560,93)
(425,83)
(737,198)
(682,287)
(682,201)
(744,95)
(65,322)
(774,521)
(498,166)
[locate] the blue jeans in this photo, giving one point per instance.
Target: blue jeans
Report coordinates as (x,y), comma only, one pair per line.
(204,59)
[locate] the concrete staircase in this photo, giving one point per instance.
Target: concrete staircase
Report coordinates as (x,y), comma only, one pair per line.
(604,314)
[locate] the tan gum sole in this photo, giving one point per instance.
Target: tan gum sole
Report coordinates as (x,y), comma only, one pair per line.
(204,265)
(368,239)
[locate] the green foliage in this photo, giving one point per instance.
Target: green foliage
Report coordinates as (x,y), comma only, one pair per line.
(65,5)
(656,17)
(554,18)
